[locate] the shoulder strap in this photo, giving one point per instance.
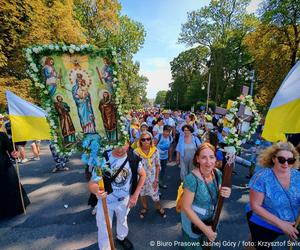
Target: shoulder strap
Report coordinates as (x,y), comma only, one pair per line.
(159,138)
(134,164)
(216,176)
(119,170)
(105,154)
(196,182)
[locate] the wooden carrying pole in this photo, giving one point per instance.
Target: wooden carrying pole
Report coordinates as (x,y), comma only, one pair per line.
(106,215)
(226,182)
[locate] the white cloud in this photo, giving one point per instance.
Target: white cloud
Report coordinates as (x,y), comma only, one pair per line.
(158,72)
(155,63)
(253,6)
(159,79)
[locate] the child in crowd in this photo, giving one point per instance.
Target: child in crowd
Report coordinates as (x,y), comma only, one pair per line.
(163,143)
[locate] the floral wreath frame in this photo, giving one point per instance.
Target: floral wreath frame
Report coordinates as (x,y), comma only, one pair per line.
(34,53)
(237,139)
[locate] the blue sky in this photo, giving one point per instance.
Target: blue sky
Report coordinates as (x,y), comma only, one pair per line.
(162,21)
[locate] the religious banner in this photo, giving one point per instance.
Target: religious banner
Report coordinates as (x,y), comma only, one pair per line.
(78,87)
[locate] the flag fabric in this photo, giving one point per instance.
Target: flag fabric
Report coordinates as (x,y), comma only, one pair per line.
(28,121)
(284,112)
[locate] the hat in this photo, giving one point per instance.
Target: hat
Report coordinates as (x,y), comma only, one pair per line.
(208,118)
(167,111)
(209,125)
(144,124)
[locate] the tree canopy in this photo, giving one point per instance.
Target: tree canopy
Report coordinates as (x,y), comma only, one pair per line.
(25,23)
(232,45)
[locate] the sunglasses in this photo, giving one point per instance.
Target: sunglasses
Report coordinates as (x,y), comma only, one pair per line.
(145,139)
(282,160)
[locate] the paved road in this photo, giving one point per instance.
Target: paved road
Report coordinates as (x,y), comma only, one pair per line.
(49,225)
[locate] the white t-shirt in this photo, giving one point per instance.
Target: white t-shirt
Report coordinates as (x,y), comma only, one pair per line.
(122,183)
(158,129)
(169,122)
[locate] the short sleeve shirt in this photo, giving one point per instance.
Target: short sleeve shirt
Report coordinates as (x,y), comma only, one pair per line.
(163,145)
(122,183)
(202,203)
(283,203)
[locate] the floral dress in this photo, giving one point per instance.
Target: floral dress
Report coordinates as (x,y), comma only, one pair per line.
(150,167)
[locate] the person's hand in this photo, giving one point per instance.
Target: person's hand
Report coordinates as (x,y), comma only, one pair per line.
(225,192)
(289,229)
(210,234)
(155,185)
(101,194)
(132,201)
(14,154)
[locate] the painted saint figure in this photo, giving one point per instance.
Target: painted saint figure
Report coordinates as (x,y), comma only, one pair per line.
(83,102)
(66,124)
(107,74)
(108,113)
(50,75)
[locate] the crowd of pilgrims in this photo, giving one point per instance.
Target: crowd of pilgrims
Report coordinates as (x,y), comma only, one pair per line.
(195,143)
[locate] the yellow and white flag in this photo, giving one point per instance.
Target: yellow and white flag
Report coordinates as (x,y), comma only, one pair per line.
(284,113)
(28,121)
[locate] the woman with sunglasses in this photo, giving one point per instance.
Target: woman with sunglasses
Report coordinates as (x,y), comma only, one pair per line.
(274,195)
(151,163)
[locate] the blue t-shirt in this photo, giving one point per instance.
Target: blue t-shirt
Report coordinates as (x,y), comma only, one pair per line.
(283,203)
(163,145)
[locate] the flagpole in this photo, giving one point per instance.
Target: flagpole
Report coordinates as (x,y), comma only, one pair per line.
(18,174)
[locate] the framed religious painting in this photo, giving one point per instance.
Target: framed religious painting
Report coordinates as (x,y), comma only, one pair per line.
(78,87)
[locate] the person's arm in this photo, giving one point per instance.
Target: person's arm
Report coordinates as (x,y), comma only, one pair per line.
(174,132)
(187,200)
(177,157)
(133,133)
(154,131)
(155,183)
(8,146)
(142,177)
(256,200)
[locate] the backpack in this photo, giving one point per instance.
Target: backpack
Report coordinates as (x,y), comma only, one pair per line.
(181,188)
(159,138)
(133,160)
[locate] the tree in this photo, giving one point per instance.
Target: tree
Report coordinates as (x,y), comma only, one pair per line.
(221,27)
(160,97)
(284,16)
(129,39)
(100,18)
(272,61)
(24,23)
